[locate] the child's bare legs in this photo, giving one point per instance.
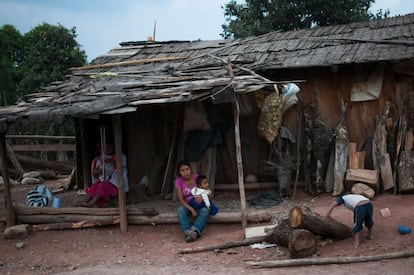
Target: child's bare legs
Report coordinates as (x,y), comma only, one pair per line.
(357,236)
(94,200)
(356,239)
(91,201)
(370,236)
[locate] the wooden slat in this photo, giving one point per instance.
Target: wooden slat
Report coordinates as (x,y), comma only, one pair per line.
(40,137)
(43,147)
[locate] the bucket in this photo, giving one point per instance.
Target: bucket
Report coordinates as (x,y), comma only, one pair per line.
(402,229)
(55,202)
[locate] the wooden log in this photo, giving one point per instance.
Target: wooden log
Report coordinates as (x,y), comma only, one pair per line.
(83,211)
(220,246)
(409,140)
(363,175)
(406,172)
(356,160)
(401,133)
(341,156)
(221,217)
(164,218)
(61,218)
(335,260)
(44,164)
(303,217)
(386,172)
(74,225)
(300,242)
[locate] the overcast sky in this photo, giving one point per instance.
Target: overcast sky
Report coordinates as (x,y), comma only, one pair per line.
(102,24)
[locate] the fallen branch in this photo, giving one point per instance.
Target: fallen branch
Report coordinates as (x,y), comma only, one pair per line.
(336,260)
(221,246)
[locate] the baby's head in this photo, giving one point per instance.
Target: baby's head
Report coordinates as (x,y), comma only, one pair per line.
(202,182)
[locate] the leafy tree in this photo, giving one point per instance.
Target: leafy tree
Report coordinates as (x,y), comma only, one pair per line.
(256,17)
(10,59)
(48,54)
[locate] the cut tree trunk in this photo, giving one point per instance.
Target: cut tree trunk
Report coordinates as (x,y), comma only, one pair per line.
(303,217)
(406,172)
(341,157)
(300,242)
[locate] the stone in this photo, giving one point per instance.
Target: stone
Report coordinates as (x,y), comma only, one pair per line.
(363,189)
(385,212)
(16,232)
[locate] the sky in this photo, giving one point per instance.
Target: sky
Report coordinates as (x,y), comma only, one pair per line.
(102,24)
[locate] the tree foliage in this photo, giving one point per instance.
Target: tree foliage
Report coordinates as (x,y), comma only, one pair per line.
(27,62)
(48,54)
(10,59)
(256,17)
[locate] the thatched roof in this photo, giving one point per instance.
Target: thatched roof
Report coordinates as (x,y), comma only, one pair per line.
(138,73)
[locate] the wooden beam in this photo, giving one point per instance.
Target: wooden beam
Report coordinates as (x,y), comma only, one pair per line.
(43,147)
(129,62)
(239,163)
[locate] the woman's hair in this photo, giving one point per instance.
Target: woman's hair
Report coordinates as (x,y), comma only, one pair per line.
(200,178)
(182,163)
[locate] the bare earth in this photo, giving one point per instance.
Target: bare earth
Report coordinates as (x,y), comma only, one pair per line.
(152,249)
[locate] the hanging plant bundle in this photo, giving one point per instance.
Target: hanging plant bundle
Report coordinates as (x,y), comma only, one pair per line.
(270,118)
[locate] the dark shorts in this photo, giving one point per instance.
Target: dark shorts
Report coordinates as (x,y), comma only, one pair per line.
(363,215)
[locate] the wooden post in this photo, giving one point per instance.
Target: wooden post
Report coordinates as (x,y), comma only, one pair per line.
(10,217)
(239,163)
(85,161)
(239,160)
(116,121)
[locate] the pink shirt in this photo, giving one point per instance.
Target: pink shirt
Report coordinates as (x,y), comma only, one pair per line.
(186,190)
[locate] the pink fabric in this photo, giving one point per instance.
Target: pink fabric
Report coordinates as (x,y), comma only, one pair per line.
(103,188)
(179,183)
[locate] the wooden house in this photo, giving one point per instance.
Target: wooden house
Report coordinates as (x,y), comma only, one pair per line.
(202,100)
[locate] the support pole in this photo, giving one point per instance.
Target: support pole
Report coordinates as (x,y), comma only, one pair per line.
(10,216)
(239,163)
(239,160)
(116,121)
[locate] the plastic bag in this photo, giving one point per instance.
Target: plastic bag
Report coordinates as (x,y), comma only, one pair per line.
(38,196)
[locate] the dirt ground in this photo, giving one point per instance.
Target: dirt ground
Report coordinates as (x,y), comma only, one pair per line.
(153,249)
